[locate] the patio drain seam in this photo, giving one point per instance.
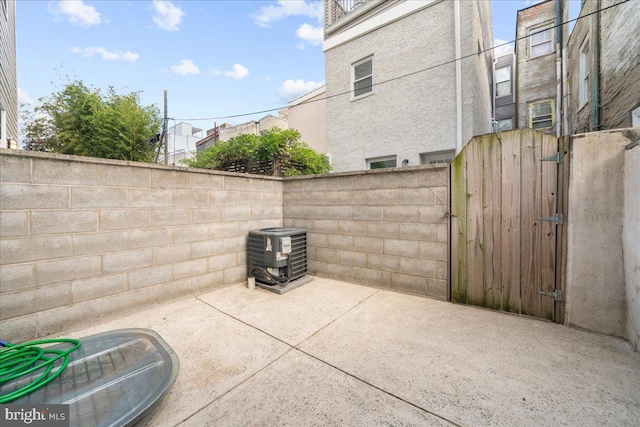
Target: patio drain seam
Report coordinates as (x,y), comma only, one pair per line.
(339,317)
(236,386)
(380,389)
(295,347)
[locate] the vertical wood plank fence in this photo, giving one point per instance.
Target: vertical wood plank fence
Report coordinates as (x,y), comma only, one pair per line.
(504,223)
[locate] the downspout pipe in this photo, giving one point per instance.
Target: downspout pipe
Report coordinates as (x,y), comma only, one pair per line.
(456,12)
(559,71)
(595,87)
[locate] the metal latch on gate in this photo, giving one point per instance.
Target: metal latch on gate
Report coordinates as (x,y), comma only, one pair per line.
(557,218)
(558,158)
(557,294)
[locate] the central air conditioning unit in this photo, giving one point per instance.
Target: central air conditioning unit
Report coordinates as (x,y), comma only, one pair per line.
(277,256)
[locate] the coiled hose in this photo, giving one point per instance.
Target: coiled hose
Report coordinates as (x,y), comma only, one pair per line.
(19,360)
(275,279)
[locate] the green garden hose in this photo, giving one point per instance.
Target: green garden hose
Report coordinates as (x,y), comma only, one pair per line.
(18,360)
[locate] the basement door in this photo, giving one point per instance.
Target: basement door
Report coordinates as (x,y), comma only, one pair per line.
(505,220)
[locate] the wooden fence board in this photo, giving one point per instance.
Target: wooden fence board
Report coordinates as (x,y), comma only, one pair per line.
(458,228)
(548,229)
(531,300)
(510,238)
(475,241)
(492,200)
(502,254)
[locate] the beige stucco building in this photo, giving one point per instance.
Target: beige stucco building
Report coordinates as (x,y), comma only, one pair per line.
(226,131)
(308,115)
(8,76)
(396,95)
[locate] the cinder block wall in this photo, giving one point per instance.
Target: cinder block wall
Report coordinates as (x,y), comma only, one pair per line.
(84,239)
(383,228)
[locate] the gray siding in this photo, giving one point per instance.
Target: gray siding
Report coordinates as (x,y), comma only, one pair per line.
(505,107)
(8,75)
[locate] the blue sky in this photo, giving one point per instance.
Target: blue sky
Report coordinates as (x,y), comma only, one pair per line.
(215,58)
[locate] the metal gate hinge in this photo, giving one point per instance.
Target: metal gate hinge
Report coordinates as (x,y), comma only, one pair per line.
(558,158)
(557,294)
(557,218)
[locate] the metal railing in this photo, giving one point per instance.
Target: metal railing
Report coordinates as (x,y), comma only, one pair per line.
(336,9)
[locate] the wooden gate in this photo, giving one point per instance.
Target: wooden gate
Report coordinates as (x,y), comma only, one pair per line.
(506,214)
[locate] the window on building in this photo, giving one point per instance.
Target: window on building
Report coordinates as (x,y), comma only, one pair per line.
(635,117)
(541,114)
(503,81)
(540,41)
(362,77)
(504,124)
(436,157)
(382,162)
(584,73)
(3,130)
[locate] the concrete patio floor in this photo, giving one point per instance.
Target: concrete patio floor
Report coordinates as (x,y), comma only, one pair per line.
(335,353)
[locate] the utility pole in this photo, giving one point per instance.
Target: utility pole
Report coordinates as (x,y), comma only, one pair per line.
(164,131)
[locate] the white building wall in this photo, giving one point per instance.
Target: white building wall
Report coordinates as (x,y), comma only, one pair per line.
(411,115)
(182,142)
(308,115)
(8,74)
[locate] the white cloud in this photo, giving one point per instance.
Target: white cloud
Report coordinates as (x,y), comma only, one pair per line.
(24,98)
(168,16)
(215,72)
(185,68)
(502,50)
(106,55)
(286,8)
(310,34)
(239,72)
(291,89)
(77,12)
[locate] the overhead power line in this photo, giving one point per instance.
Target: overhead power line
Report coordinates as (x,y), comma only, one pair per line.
(412,73)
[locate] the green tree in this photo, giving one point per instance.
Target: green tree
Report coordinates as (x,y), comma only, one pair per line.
(79,120)
(276,152)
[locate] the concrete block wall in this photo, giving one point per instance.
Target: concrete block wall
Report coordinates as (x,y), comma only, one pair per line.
(385,228)
(83,239)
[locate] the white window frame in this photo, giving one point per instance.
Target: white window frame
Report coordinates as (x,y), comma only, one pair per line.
(584,73)
(504,81)
(382,159)
(437,157)
(3,128)
(541,29)
(510,120)
(354,81)
(635,117)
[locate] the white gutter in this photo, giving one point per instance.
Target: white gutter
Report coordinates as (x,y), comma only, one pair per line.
(456,10)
